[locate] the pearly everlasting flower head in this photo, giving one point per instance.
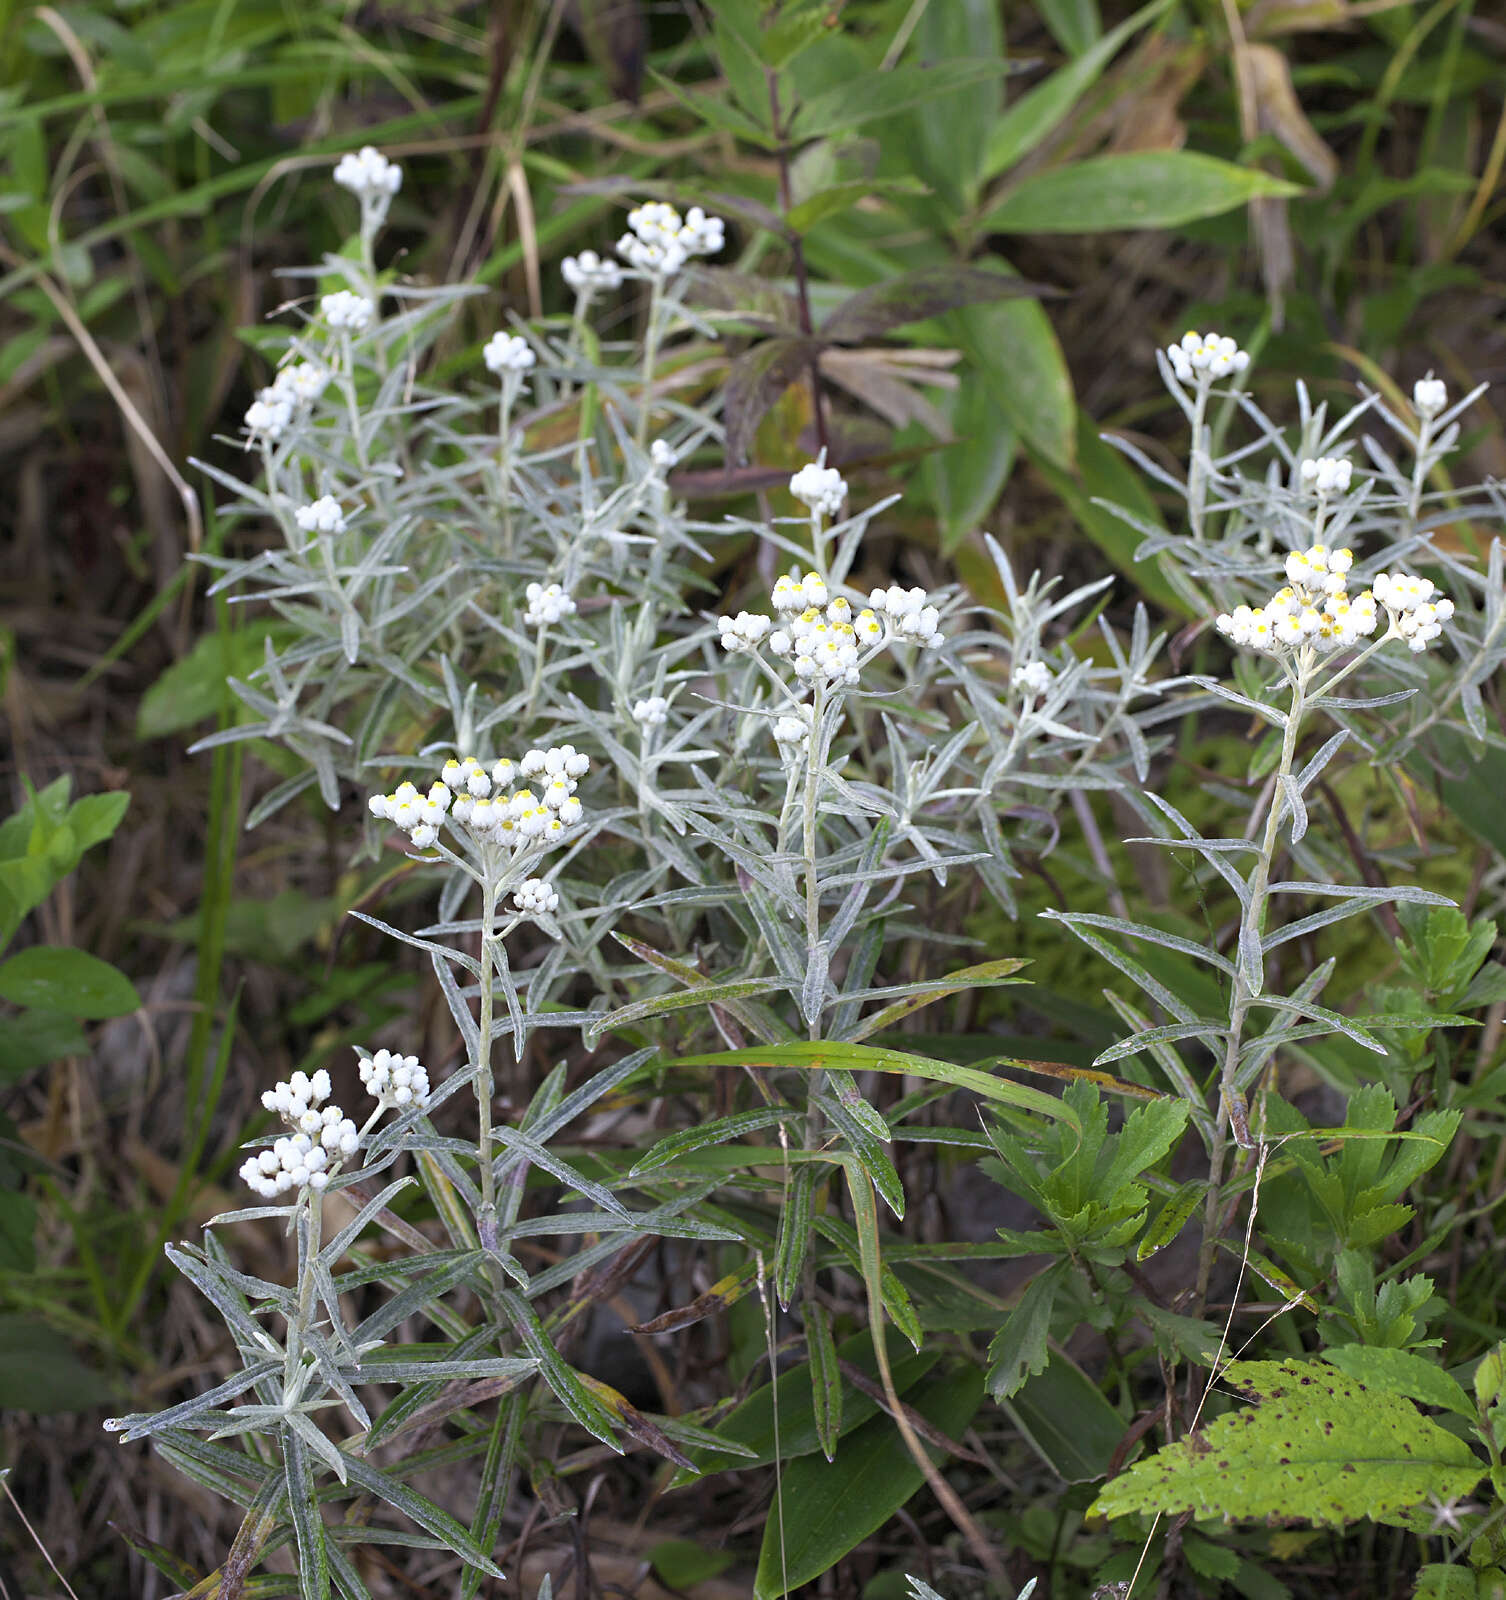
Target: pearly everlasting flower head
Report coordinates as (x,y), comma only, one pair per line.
(659,241)
(909,615)
(395,1081)
(790,733)
(820,487)
(1327,475)
(587,273)
(1203,357)
(321,1136)
(515,806)
(535,898)
(268,417)
(1314,611)
(745,631)
(652,712)
(368,174)
(508,352)
(347,312)
(662,456)
(547,603)
(300,383)
(1416,609)
(1429,396)
(322,516)
(1035,677)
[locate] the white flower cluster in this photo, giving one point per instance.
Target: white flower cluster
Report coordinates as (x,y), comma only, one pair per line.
(1202,357)
(393,1080)
(368,173)
(745,631)
(322,516)
(1315,610)
(1417,610)
(320,1137)
(346,311)
(547,603)
(820,487)
(485,803)
(271,414)
(1429,396)
(508,352)
(587,272)
(662,455)
(535,897)
(659,242)
(652,712)
(824,638)
(1035,677)
(1327,475)
(909,615)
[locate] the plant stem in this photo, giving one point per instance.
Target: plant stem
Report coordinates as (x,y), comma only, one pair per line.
(797,258)
(650,360)
(487,1220)
(1197,470)
(1232,1112)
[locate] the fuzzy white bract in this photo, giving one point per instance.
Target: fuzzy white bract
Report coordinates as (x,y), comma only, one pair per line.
(395,1081)
(321,1135)
(368,173)
(1316,612)
(490,807)
(1418,612)
(547,603)
(347,312)
(321,516)
(1035,677)
(534,897)
(1429,396)
(508,352)
(301,383)
(1327,475)
(662,456)
(652,712)
(268,417)
(587,273)
(820,487)
(824,639)
(659,241)
(1202,357)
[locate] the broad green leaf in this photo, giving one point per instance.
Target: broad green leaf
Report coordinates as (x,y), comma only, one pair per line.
(880,94)
(792,1398)
(1019,362)
(1439,1582)
(1318,1447)
(40,1373)
(1402,1372)
(838,197)
(1143,189)
(679,1564)
(1019,1348)
(813,1057)
(826,1508)
(1170,1219)
(1033,116)
(918,296)
(1064,1417)
(966,478)
(755,381)
(1074,24)
(194,688)
(34,1038)
(1103,474)
(57,978)
(945,139)
(716,111)
(18,1231)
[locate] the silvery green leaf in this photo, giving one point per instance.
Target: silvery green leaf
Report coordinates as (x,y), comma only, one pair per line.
(393,1492)
(813,992)
(1207,1029)
(441,951)
(298,1424)
(1138,930)
(1291,795)
(328,1361)
(1251,966)
(141,1425)
(1234,697)
(353,1229)
(1128,966)
(1372,703)
(393,1366)
(416,1299)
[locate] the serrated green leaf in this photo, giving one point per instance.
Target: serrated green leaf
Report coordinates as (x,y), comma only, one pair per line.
(1317,1447)
(1402,1372)
(1019,1349)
